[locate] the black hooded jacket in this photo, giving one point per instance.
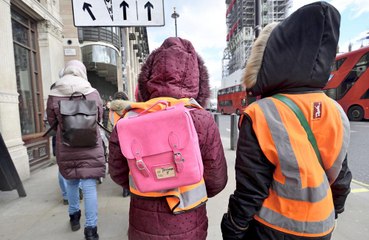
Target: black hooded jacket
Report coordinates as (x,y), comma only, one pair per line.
(293,56)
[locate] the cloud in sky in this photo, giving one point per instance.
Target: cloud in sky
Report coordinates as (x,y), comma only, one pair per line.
(203,23)
(354,19)
(355,7)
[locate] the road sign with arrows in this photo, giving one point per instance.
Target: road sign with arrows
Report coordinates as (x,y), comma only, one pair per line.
(118,13)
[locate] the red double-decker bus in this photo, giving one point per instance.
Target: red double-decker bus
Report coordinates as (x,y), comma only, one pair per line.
(349,83)
(233,99)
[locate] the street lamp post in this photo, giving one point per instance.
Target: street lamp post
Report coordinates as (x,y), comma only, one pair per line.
(175,15)
(257,18)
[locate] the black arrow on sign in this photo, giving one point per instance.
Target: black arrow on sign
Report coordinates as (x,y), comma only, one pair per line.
(148,5)
(88,6)
(124,5)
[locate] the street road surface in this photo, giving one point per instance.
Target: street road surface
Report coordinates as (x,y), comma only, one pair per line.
(358,155)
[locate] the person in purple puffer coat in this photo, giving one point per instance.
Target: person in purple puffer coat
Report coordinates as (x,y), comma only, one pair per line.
(78,165)
(174,70)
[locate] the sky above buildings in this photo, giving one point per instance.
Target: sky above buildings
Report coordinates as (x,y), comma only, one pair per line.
(203,23)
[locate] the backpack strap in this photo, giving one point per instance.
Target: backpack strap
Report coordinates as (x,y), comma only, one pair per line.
(50,129)
(160,103)
(303,122)
(136,149)
(164,103)
(174,144)
(104,128)
(77,94)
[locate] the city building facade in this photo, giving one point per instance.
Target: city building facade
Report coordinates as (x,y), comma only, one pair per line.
(38,37)
(240,21)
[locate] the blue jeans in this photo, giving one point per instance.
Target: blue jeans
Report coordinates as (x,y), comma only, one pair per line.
(89,197)
(63,186)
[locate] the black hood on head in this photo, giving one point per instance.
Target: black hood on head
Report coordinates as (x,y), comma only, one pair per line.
(298,52)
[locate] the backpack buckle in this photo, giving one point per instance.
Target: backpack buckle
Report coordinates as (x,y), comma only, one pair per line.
(142,167)
(178,160)
(140,164)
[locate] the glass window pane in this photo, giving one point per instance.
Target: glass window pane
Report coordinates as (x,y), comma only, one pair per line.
(29,85)
(16,16)
(362,65)
(33,40)
(366,95)
(26,101)
(33,25)
(20,33)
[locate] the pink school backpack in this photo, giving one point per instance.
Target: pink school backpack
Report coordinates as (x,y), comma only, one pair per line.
(161,147)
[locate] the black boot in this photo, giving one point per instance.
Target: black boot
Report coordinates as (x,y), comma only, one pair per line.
(91,233)
(126,192)
(74,220)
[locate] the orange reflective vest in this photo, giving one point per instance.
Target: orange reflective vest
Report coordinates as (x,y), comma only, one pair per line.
(179,199)
(300,199)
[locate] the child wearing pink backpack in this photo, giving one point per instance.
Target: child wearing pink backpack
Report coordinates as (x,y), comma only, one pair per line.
(173,84)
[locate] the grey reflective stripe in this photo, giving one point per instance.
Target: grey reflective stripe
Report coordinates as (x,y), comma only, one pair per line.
(287,159)
(333,172)
(310,194)
(130,114)
(131,182)
(191,197)
(292,188)
(296,226)
(186,199)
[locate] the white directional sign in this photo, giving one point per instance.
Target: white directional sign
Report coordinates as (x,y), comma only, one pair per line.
(118,13)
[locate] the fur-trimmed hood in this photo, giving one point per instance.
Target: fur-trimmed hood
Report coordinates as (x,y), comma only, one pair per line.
(119,105)
(296,54)
(174,70)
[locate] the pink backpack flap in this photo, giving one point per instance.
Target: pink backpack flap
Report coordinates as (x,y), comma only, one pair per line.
(162,148)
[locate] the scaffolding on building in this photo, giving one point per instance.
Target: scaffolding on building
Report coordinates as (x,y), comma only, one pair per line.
(240,21)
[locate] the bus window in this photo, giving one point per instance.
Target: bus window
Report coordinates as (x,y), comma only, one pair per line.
(361,66)
(353,76)
(232,101)
(225,103)
(349,83)
(239,88)
(243,102)
(251,100)
(366,95)
(337,64)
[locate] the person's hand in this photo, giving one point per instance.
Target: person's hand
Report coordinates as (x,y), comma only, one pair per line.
(229,231)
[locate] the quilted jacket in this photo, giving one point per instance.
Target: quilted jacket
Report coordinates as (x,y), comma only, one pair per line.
(174,70)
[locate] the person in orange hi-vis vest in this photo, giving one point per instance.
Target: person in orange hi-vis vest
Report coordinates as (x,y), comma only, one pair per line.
(117,106)
(292,176)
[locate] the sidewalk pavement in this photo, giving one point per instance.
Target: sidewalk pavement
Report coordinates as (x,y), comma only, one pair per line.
(42,216)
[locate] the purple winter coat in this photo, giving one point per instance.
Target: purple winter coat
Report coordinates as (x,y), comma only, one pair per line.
(151,218)
(174,70)
(73,162)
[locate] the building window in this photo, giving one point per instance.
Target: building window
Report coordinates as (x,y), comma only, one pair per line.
(27,71)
